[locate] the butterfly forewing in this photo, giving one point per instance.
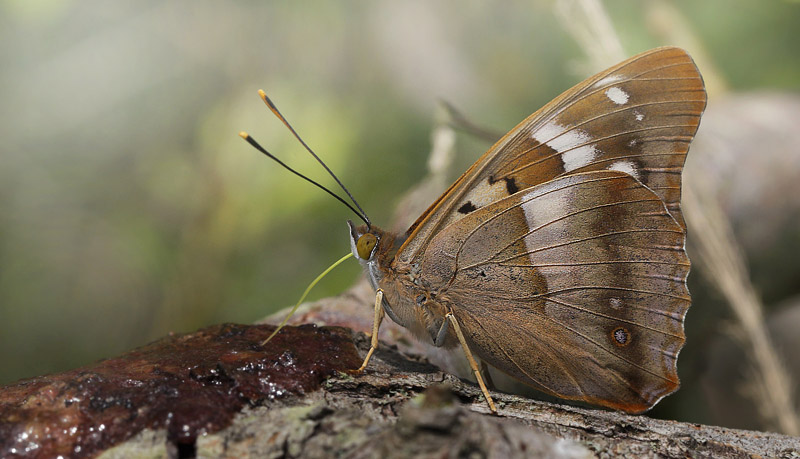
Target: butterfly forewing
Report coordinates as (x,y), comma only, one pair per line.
(583,281)
(637,117)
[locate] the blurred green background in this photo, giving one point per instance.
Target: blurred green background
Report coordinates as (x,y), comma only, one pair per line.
(129,208)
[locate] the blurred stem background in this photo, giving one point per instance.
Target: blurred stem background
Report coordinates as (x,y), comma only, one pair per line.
(129,207)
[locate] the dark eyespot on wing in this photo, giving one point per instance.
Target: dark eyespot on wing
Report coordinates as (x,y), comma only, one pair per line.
(467,208)
(621,336)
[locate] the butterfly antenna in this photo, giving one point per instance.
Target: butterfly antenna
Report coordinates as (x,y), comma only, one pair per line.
(277,113)
(258,147)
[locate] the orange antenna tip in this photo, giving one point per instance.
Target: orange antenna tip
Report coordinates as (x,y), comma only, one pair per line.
(244,135)
(271,106)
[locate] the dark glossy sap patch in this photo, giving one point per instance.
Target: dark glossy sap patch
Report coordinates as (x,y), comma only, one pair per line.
(188,384)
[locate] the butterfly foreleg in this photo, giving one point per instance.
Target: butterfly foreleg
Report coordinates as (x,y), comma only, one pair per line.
(474,365)
(376,325)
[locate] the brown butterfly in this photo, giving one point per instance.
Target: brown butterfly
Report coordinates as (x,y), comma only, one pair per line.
(558,257)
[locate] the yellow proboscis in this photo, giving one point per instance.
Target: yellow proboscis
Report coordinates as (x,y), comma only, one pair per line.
(305,294)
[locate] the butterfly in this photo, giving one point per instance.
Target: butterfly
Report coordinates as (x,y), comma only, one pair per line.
(558,256)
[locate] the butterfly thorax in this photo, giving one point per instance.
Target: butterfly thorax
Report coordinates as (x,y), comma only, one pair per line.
(408,300)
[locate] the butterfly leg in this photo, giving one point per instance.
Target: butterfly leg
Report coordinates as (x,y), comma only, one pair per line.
(376,325)
(472,362)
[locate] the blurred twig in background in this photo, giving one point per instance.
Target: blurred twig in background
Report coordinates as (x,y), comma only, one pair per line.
(719,254)
(724,265)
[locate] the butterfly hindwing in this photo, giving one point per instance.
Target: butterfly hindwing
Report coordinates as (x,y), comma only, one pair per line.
(637,117)
(583,278)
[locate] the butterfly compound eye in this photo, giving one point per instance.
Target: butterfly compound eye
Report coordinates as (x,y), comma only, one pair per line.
(365,245)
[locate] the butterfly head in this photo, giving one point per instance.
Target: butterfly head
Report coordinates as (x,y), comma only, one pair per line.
(364,242)
(371,246)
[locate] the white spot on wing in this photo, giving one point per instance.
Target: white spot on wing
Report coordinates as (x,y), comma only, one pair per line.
(639,115)
(571,144)
(616,303)
(625,166)
(618,96)
(578,157)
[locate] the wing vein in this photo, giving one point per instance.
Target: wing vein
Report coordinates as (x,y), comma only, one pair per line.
(589,238)
(610,113)
(608,351)
(588,263)
(593,141)
(526,200)
(542,346)
(598,314)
